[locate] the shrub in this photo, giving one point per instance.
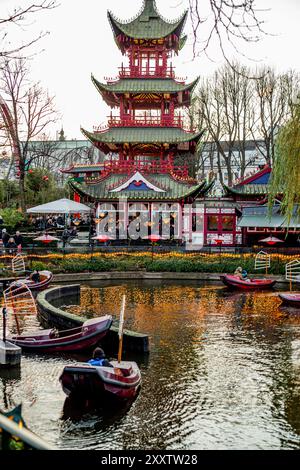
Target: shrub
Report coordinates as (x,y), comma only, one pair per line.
(11,217)
(39,266)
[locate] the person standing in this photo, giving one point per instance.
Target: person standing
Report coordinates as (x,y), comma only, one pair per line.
(5,237)
(18,239)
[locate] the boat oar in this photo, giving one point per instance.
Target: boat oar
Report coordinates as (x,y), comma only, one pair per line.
(121,325)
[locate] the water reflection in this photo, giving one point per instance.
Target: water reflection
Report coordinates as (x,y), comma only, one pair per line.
(223,372)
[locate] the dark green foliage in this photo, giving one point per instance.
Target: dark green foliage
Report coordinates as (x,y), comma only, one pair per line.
(11,218)
(9,192)
(40,190)
(286,170)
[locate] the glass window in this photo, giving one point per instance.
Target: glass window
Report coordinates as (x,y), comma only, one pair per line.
(227,223)
(212,223)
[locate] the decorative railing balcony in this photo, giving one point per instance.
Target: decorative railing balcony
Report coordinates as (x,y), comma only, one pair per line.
(146,121)
(146,72)
(147,167)
(143,121)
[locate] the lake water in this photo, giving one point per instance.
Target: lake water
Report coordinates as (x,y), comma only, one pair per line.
(223,373)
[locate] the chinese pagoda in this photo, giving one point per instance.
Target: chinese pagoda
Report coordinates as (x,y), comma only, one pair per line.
(142,141)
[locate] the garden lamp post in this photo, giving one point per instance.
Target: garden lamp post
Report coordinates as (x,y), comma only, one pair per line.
(101,239)
(219,242)
(153,239)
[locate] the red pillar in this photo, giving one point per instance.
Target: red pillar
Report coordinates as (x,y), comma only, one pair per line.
(76,197)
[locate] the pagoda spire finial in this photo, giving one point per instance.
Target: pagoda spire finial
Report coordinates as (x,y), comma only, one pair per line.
(150,9)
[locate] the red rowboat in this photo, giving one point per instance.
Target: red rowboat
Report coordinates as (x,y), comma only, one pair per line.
(76,339)
(45,279)
(252,284)
(122,381)
(291,299)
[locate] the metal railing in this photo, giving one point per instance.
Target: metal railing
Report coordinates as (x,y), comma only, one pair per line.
(147,167)
(149,72)
(145,121)
(146,72)
(142,121)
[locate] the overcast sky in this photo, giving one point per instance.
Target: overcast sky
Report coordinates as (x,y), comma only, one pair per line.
(81,42)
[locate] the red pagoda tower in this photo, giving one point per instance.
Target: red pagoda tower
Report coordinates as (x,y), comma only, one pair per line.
(141,141)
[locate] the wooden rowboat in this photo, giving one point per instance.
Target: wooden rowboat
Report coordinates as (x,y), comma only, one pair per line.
(252,284)
(121,382)
(77,339)
(291,299)
(45,279)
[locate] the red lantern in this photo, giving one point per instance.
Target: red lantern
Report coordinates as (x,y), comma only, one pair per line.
(30,172)
(45,178)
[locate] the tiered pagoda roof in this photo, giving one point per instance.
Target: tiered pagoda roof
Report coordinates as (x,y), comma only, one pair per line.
(143,146)
(109,140)
(111,91)
(148,24)
(139,187)
(81,168)
(254,185)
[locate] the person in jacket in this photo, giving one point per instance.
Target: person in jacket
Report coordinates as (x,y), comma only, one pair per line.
(5,237)
(18,238)
(11,245)
(35,276)
(99,359)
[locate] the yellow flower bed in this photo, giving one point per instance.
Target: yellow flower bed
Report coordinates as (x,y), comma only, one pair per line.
(175,255)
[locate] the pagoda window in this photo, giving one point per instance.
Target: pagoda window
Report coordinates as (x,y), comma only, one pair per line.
(152,61)
(144,62)
(212,223)
(228,224)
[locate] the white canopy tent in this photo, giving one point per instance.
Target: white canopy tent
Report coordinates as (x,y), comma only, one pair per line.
(61,206)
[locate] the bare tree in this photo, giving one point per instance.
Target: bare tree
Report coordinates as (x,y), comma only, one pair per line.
(29,111)
(53,155)
(230,22)
(272,106)
(237,109)
(223,101)
(17,19)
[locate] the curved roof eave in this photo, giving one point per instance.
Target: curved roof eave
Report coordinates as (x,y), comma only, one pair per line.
(103,87)
(124,27)
(182,42)
(95,139)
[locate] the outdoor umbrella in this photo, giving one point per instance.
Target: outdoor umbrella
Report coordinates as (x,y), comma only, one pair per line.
(46,239)
(101,239)
(271,240)
(61,206)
